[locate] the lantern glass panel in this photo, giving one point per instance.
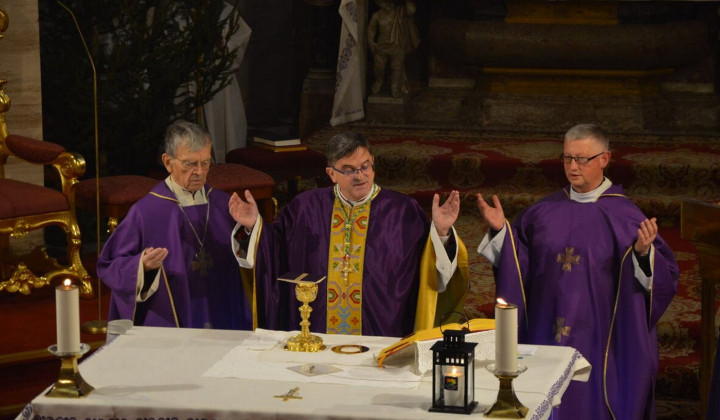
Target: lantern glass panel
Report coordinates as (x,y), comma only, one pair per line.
(471,378)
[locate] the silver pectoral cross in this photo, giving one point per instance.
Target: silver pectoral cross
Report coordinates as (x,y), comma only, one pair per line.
(201,262)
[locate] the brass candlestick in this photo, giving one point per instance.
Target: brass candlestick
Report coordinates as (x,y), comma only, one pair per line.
(507,405)
(70,384)
(305,292)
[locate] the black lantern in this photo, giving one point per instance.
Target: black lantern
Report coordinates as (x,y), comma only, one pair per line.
(453,374)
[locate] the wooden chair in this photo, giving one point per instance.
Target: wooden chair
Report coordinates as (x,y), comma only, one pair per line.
(25,207)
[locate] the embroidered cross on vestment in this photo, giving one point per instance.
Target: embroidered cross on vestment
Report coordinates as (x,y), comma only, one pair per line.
(568,259)
(561,329)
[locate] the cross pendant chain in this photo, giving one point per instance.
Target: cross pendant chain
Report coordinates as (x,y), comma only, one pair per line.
(347,265)
(202,260)
(347,269)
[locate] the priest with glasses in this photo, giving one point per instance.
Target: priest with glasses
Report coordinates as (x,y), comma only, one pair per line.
(389,269)
(169,262)
(587,269)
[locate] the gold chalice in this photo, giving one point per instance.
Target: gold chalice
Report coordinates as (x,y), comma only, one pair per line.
(305,292)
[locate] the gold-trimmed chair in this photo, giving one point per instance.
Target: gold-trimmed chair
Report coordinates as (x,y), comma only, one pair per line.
(25,207)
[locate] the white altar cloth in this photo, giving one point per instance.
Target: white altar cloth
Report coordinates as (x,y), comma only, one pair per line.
(159,373)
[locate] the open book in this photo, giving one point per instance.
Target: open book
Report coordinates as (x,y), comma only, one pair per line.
(476,325)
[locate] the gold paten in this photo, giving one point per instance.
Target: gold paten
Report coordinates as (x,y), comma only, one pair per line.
(305,292)
(349,349)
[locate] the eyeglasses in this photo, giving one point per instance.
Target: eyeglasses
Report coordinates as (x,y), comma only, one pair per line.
(355,171)
(194,164)
(580,160)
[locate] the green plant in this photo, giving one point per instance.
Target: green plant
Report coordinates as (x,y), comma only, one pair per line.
(156,61)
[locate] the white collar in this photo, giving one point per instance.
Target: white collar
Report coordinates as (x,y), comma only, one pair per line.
(185,196)
(351,203)
(590,196)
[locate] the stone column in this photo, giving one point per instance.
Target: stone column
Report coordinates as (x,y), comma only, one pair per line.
(20,66)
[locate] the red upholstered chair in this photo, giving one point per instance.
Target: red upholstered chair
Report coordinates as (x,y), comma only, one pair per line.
(25,207)
(283,166)
(233,177)
(117,194)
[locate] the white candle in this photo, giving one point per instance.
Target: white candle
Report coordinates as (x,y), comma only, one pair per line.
(67,315)
(506,327)
(453,386)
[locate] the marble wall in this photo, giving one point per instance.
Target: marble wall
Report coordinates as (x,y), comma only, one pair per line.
(20,66)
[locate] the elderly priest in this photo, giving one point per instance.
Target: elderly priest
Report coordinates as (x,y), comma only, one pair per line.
(389,269)
(169,263)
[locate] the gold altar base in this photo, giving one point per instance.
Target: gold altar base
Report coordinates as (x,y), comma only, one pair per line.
(305,342)
(507,405)
(70,384)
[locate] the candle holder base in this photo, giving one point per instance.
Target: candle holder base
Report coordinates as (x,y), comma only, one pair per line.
(507,405)
(70,384)
(95,327)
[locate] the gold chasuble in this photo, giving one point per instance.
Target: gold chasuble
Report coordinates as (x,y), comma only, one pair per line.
(348,233)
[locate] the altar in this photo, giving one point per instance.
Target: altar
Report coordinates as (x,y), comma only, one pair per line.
(152,372)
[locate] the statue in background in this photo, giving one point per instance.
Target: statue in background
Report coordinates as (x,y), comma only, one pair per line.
(392,34)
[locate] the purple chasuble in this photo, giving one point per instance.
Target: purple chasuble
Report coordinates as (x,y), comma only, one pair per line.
(216,300)
(298,242)
(577,288)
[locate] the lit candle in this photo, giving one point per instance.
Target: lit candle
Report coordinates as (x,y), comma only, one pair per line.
(67,315)
(506,327)
(453,386)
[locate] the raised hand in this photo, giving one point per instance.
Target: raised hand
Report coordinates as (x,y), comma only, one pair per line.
(646,235)
(245,211)
(152,258)
(493,215)
(445,216)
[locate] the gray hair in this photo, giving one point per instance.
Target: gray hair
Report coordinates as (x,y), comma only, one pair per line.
(186,134)
(344,144)
(588,131)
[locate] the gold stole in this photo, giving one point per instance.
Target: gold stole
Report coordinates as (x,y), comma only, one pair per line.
(433,306)
(348,232)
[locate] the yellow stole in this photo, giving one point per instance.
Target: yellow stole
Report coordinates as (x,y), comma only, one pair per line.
(348,232)
(432,306)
